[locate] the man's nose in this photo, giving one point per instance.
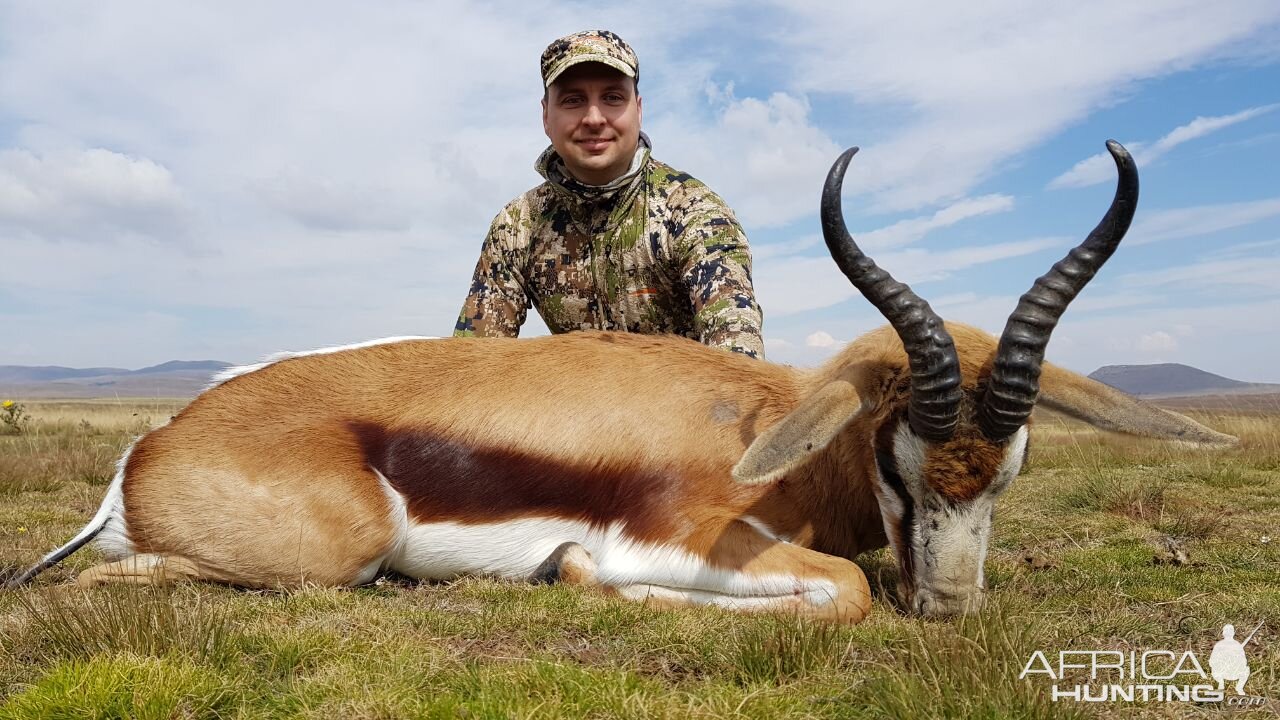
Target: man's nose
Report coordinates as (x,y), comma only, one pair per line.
(593,116)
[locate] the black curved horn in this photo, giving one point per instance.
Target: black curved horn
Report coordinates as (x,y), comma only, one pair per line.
(935,370)
(1015,375)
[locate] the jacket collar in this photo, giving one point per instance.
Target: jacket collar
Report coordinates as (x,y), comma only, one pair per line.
(550,166)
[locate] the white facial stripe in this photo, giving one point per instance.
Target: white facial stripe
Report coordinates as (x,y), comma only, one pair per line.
(948,540)
(910,453)
(891,511)
(237,371)
(1012,463)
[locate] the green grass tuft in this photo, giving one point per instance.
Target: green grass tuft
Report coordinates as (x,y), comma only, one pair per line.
(68,622)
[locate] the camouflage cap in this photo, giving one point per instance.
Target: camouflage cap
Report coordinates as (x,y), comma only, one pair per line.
(599,46)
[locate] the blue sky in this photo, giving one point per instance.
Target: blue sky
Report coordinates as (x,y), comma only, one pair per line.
(184,182)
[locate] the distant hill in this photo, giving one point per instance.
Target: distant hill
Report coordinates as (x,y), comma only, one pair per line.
(211,366)
(25,374)
(1173,379)
(176,378)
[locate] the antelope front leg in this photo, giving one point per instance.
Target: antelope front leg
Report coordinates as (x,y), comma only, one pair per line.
(749,572)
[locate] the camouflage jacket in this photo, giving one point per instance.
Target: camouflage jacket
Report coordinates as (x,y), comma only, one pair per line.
(655,251)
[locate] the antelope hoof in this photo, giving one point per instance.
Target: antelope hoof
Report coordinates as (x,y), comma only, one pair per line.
(569,563)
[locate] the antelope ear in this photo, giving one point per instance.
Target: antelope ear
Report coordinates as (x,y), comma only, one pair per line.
(804,431)
(1106,408)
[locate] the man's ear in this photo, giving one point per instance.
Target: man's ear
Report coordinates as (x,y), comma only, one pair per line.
(545,128)
(639,109)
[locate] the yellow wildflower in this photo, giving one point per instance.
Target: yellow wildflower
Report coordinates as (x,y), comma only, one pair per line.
(21,530)
(8,404)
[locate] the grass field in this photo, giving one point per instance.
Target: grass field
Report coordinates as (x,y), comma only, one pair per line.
(1104,543)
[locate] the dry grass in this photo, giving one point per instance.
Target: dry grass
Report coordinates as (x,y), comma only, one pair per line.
(1091,509)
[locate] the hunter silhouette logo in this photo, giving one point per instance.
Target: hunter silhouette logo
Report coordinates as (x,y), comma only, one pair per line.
(1149,675)
(1227,661)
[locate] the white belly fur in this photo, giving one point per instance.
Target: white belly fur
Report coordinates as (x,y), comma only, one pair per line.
(513,549)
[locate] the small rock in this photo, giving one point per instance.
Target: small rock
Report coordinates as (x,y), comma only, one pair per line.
(1171,551)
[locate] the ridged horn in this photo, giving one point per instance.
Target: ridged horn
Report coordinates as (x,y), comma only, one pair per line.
(935,369)
(1015,376)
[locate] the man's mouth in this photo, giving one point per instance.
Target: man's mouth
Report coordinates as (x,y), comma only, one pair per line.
(592,144)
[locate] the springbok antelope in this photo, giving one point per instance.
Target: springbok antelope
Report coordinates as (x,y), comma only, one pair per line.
(654,467)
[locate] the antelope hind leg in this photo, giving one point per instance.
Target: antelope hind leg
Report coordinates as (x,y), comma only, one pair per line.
(143,569)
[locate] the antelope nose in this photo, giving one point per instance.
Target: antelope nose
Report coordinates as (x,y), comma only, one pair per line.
(948,605)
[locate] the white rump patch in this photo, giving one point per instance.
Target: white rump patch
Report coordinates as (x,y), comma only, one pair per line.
(113,540)
(238,370)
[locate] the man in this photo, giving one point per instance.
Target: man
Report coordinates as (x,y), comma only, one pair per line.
(614,239)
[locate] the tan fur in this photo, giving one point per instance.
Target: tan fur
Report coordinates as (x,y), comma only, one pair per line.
(266,480)
(291,501)
(143,569)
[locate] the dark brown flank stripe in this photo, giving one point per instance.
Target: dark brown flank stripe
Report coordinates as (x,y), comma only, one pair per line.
(443,479)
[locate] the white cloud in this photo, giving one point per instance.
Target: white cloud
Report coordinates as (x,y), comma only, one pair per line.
(767,159)
(1251,275)
(1124,299)
(1099,168)
(899,234)
(984,81)
(327,205)
(1202,126)
(764,251)
(1200,220)
(795,284)
(87,194)
(906,232)
(1158,342)
(1096,169)
(820,339)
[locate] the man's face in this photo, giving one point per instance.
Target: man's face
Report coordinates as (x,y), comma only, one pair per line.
(592,116)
